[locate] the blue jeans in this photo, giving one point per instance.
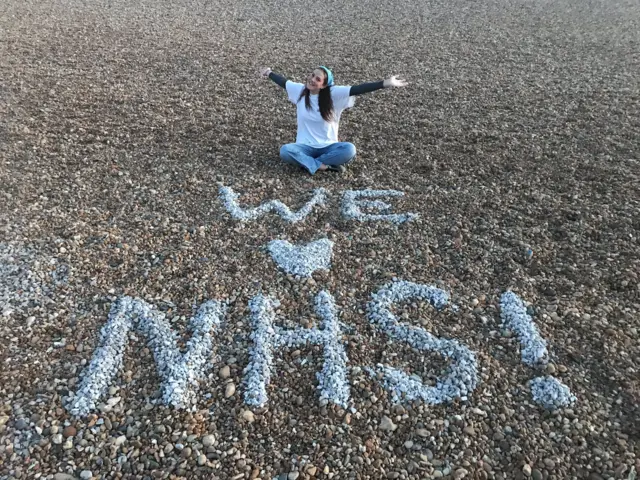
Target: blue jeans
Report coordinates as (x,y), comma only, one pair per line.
(312,157)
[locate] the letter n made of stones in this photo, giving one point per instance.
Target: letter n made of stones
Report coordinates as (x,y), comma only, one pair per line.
(269,339)
(179,372)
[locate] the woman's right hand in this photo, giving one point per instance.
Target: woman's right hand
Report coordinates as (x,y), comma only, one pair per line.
(394,82)
(264,72)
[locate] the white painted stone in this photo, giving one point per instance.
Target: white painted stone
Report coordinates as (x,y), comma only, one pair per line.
(302,260)
(230,200)
(515,317)
(179,372)
(551,393)
(462,377)
(268,338)
(352,205)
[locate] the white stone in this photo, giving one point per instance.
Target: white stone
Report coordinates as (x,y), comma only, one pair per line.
(551,393)
(462,376)
(302,260)
(268,338)
(179,372)
(515,317)
(230,200)
(352,206)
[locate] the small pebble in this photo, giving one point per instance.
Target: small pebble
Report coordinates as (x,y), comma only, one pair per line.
(208,440)
(229,390)
(22,424)
(387,424)
(460,473)
(248,416)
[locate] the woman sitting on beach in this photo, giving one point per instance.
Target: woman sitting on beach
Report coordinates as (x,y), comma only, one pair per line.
(319,106)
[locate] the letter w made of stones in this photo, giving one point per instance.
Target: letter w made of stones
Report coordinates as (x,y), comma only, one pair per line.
(179,372)
(268,338)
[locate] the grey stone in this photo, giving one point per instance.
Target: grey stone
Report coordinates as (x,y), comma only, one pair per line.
(387,424)
(63,476)
(22,424)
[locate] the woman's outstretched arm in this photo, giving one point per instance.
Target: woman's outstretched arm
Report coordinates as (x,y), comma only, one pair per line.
(391,82)
(279,79)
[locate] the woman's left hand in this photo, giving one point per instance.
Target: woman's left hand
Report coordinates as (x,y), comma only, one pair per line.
(394,82)
(265,72)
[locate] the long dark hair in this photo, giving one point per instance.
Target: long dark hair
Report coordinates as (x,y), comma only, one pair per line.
(325,102)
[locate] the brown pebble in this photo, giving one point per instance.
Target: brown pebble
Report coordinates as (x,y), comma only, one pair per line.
(229,390)
(69,431)
(460,473)
(248,416)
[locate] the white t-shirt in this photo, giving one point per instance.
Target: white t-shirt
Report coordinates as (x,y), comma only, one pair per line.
(313,130)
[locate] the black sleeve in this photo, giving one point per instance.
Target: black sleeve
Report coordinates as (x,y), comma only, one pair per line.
(279,79)
(366,88)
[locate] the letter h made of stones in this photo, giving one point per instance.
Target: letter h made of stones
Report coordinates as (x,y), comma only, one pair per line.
(269,339)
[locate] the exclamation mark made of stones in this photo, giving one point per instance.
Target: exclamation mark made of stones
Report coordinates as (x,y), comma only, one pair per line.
(546,390)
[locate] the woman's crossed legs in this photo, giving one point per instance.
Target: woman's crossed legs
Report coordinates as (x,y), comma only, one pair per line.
(318,158)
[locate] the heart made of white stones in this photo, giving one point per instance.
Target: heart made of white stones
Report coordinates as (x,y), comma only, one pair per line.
(302,260)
